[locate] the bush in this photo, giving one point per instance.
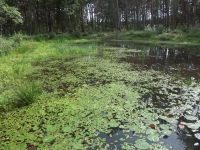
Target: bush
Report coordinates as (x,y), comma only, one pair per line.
(160,29)
(183,28)
(51,35)
(194,32)
(76,34)
(6,45)
(17,38)
(26,94)
(165,36)
(149,28)
(141,34)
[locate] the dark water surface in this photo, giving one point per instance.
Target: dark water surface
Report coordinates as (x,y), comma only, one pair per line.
(183,60)
(180,61)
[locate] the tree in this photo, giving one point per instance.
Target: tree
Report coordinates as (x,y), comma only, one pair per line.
(9,15)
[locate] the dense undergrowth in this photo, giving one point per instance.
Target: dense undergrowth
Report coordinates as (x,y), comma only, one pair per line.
(65,94)
(159,36)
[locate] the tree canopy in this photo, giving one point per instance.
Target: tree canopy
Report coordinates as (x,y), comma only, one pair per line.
(8,13)
(41,16)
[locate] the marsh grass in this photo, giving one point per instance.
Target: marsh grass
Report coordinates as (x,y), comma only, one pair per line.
(16,66)
(26,94)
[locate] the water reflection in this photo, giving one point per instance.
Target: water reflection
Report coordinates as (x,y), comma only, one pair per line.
(167,59)
(185,61)
(181,61)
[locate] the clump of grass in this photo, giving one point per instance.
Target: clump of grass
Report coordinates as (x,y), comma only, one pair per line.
(26,94)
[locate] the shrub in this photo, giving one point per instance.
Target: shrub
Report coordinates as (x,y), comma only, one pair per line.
(51,35)
(150,28)
(160,29)
(6,45)
(76,34)
(165,36)
(26,94)
(17,38)
(194,32)
(183,28)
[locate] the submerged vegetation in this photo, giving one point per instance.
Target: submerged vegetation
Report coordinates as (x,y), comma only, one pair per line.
(68,94)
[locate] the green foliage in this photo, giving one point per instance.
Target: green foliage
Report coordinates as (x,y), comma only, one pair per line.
(194,32)
(142,144)
(9,44)
(76,34)
(6,45)
(160,29)
(17,38)
(9,13)
(84,95)
(51,35)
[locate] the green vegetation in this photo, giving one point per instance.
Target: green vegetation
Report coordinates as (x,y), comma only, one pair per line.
(171,37)
(65,93)
(67,85)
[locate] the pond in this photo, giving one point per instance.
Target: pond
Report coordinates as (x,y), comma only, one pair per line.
(109,96)
(178,101)
(184,61)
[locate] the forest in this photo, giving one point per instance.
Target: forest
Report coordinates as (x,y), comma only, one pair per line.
(99,74)
(42,16)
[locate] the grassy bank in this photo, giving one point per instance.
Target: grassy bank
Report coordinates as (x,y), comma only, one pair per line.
(174,37)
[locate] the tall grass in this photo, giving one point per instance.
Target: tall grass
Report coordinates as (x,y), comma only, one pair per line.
(26,93)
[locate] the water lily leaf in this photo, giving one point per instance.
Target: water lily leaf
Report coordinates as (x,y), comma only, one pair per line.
(66,129)
(169,120)
(114,124)
(197,135)
(142,144)
(153,137)
(167,132)
(138,128)
(190,118)
(78,146)
(193,126)
(51,128)
(49,139)
(164,126)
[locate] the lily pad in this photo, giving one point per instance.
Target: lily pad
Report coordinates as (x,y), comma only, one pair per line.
(49,139)
(190,118)
(51,128)
(66,129)
(193,126)
(142,144)
(153,136)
